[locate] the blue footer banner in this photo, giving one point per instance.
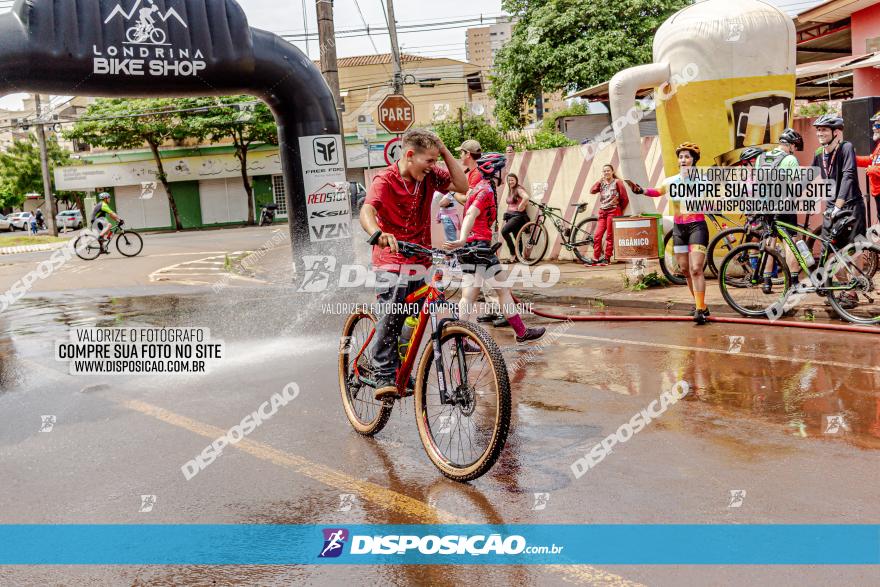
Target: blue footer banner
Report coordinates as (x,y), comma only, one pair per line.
(439,544)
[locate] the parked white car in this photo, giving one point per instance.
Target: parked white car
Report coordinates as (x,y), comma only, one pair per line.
(5,224)
(69,219)
(20,220)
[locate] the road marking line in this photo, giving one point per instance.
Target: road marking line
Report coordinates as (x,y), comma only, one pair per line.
(661,345)
(323,474)
(377,494)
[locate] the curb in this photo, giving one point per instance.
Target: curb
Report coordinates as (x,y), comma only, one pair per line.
(32,248)
(664,306)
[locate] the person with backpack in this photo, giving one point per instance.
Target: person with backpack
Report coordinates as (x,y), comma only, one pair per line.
(783,157)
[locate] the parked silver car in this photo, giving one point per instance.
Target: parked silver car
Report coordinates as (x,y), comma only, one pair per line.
(5,224)
(69,219)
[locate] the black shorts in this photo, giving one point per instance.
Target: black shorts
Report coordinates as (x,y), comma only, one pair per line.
(690,237)
(486,262)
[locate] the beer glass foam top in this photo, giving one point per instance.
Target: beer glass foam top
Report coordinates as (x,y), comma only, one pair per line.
(738,61)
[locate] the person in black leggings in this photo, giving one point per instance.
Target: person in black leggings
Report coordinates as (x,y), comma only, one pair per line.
(516,216)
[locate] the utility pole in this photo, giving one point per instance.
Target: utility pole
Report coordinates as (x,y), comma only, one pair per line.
(395,49)
(44,164)
(329,66)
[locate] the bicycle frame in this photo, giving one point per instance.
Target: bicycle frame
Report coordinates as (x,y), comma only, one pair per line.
(828,249)
(430,295)
(559,222)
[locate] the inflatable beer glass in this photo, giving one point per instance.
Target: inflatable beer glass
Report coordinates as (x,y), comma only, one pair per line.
(738,61)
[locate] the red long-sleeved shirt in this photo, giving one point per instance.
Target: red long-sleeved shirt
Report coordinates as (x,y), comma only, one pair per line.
(872,162)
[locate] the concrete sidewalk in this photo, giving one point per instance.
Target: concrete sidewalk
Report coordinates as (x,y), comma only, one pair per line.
(605,286)
(579,285)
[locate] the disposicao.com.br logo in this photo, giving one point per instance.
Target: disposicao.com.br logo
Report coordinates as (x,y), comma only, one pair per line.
(430,544)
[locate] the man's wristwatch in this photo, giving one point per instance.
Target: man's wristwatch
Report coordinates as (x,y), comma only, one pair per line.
(374,238)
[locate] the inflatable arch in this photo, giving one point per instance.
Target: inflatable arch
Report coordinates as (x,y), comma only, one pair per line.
(119,48)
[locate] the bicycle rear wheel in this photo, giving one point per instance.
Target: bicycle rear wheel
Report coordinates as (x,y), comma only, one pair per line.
(366,414)
(861,303)
(531,243)
(87,247)
(129,243)
(669,265)
(463,438)
(723,243)
(581,242)
(742,280)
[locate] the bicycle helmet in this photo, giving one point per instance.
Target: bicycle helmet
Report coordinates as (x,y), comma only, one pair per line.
(692,147)
(829,120)
(104,196)
(792,137)
(750,154)
(876,117)
(491,164)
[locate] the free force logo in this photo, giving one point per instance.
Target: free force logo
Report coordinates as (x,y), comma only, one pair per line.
(146,49)
(326,151)
(334,540)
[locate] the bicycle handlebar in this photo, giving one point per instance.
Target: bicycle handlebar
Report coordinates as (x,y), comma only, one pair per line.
(412,249)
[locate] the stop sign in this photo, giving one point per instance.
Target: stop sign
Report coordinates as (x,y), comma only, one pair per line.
(396,114)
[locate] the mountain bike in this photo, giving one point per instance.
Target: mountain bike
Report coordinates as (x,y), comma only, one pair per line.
(731,234)
(846,276)
(129,243)
(533,239)
(461,388)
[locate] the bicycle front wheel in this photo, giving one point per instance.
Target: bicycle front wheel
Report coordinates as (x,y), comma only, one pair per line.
(87,247)
(531,243)
(855,285)
(129,243)
(746,282)
(366,414)
(464,436)
(581,242)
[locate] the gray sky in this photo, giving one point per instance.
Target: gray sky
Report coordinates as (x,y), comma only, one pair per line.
(286,16)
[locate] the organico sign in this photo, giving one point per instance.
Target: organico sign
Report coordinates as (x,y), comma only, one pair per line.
(137,48)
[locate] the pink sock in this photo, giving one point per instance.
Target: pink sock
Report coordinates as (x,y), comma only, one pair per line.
(517,324)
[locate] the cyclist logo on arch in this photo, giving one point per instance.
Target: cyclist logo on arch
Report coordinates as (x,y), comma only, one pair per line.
(145,30)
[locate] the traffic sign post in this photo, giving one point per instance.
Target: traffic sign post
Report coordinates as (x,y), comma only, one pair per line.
(392,150)
(396,114)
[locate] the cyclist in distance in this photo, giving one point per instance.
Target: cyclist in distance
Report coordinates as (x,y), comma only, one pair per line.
(477,228)
(398,206)
(690,232)
(100,224)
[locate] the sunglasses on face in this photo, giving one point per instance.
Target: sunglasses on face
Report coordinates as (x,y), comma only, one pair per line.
(876,125)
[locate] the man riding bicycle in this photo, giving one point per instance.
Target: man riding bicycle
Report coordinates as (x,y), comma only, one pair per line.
(398,206)
(100,224)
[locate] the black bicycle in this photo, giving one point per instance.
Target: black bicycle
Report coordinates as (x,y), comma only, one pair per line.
(847,274)
(533,239)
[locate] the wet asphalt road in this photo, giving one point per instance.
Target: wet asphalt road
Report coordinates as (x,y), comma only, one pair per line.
(756,421)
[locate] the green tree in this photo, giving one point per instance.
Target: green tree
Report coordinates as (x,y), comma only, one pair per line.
(247,126)
(455,131)
(569,45)
(123,123)
(21,173)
